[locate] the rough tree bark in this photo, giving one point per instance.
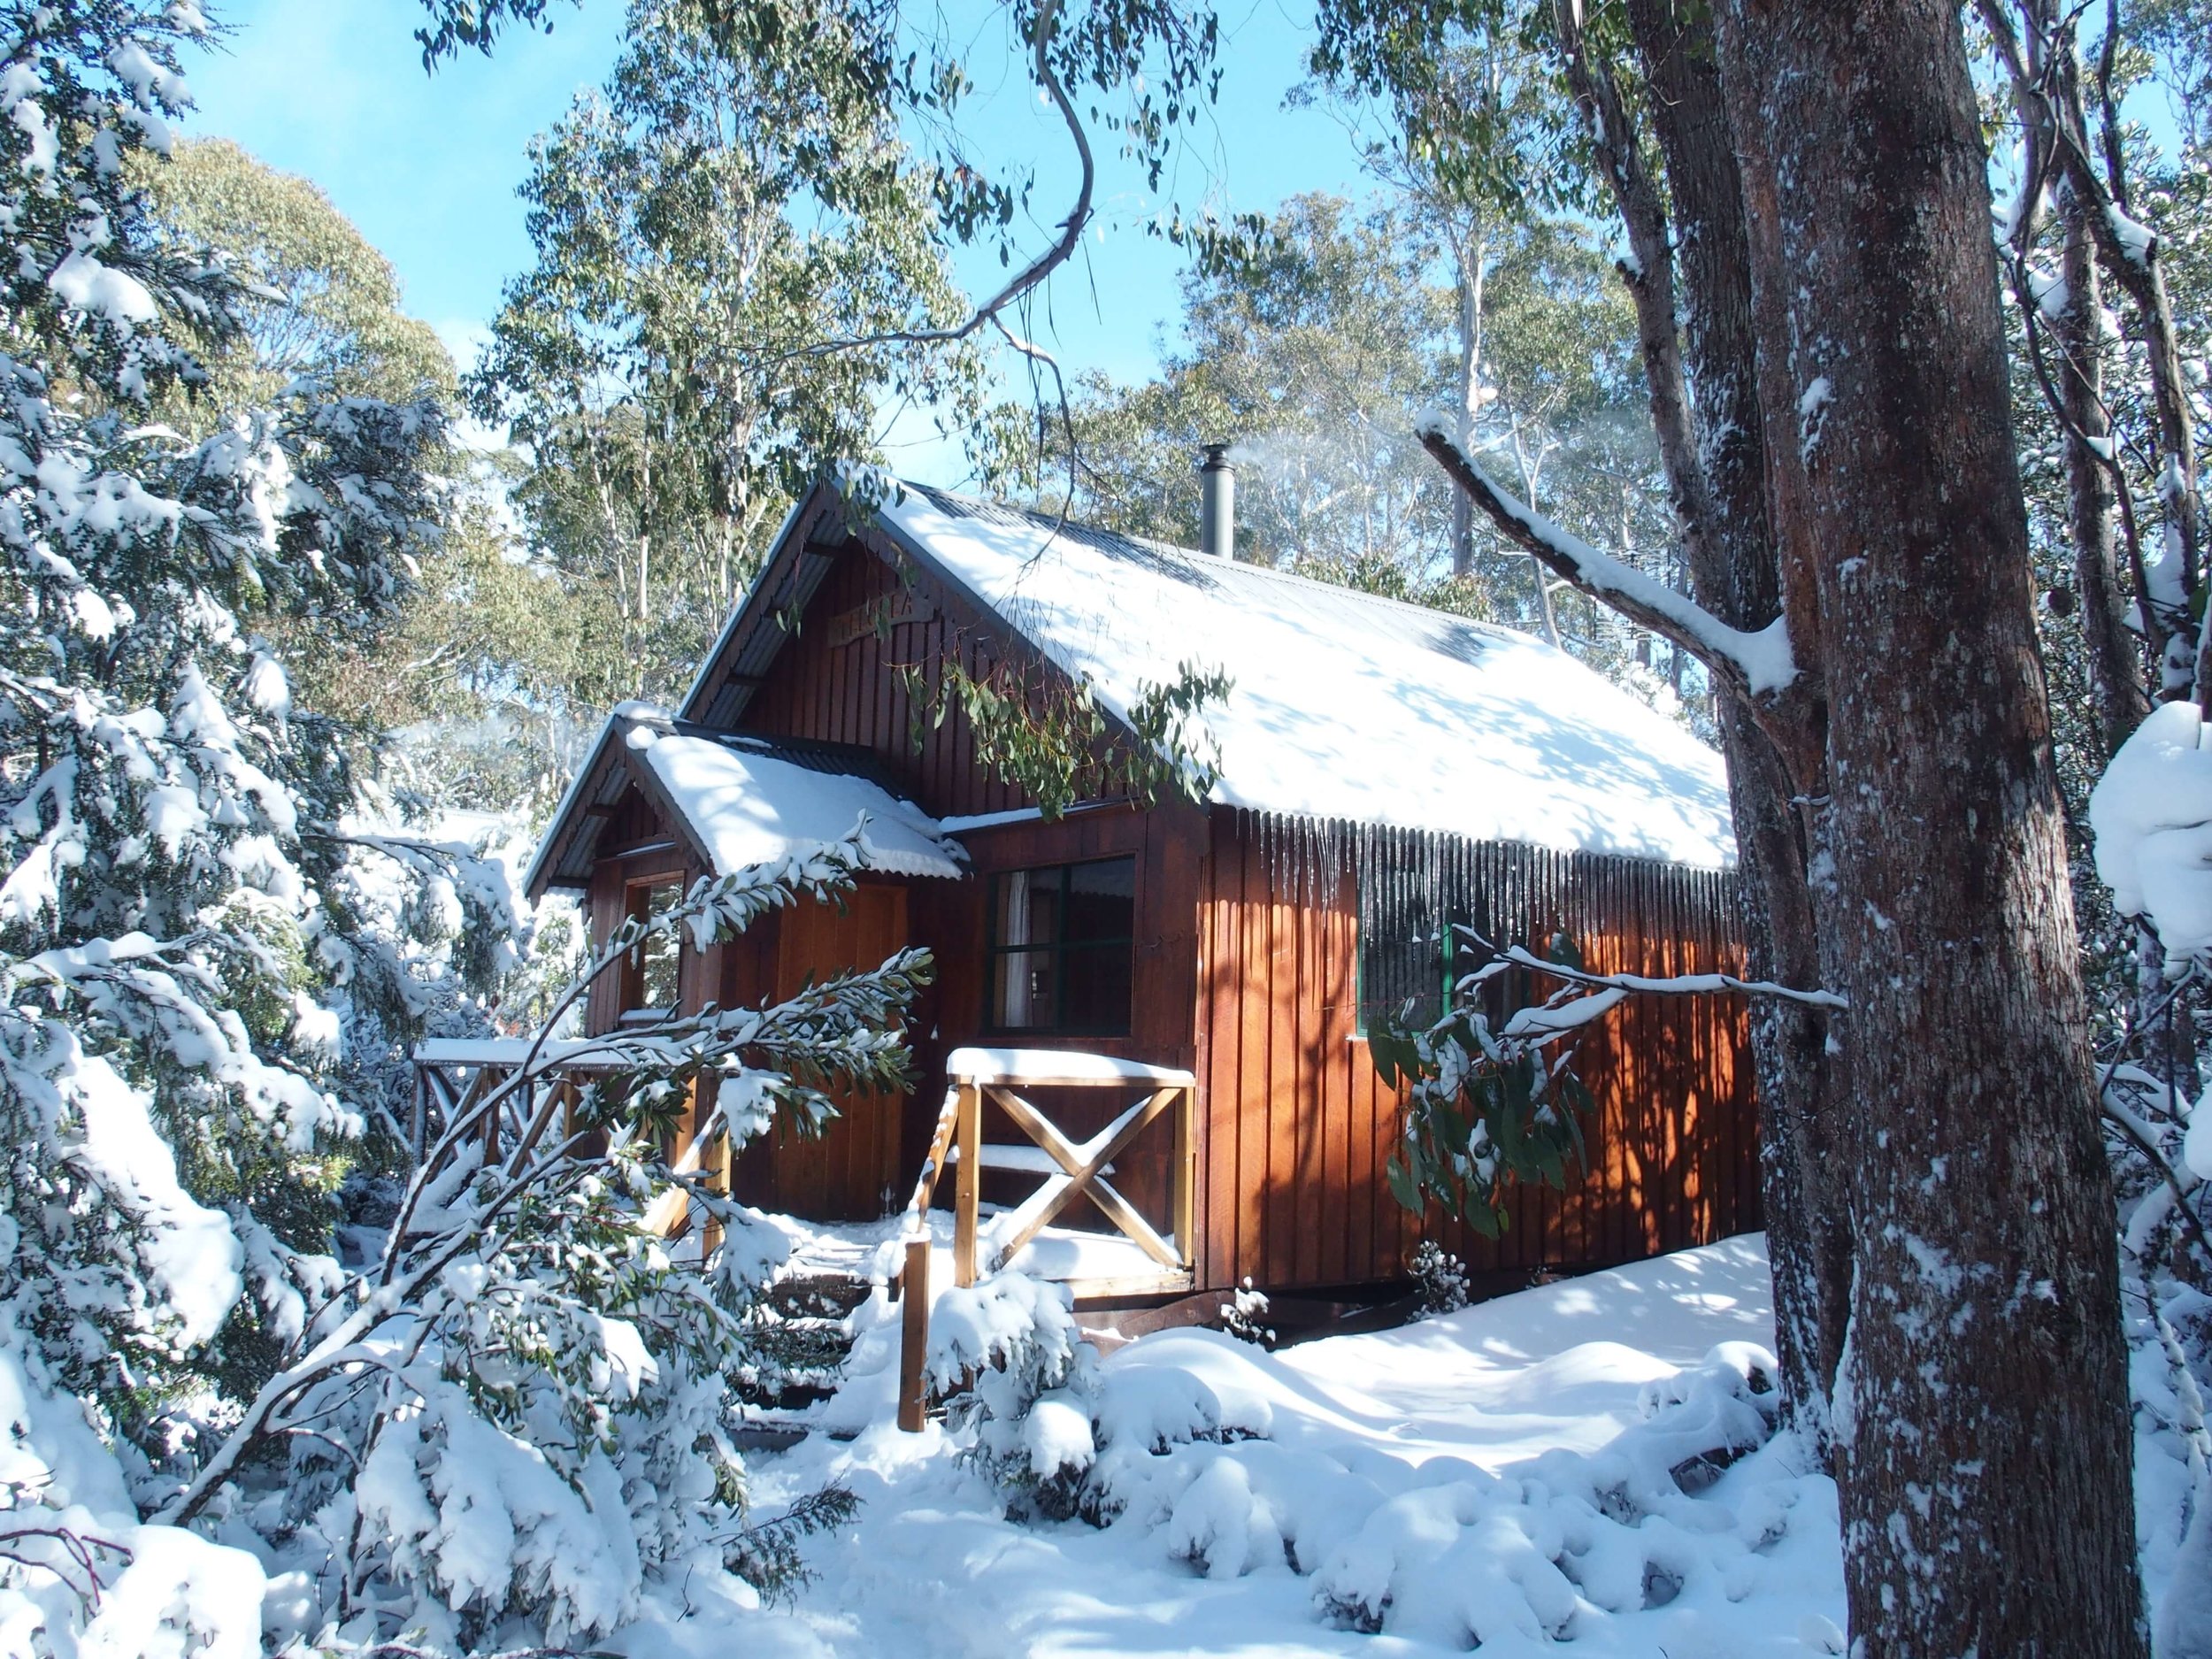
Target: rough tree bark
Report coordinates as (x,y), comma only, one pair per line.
(1713,448)
(1981,1408)
(1984,1412)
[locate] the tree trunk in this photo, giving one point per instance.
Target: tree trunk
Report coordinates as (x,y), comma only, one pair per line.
(1470,255)
(1982,1403)
(1734,574)
(2115,679)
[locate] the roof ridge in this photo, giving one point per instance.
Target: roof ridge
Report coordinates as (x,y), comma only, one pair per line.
(1210,563)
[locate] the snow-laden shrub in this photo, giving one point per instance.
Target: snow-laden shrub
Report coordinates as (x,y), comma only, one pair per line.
(487,1396)
(1061,1435)
(1440,1278)
(1007,1356)
(1470,1554)
(520,1408)
(1244,1316)
(193,941)
(1491,1093)
(1439,1552)
(565,1433)
(78,1573)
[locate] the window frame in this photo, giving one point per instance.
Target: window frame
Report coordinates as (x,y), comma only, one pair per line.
(1057,953)
(1447,976)
(1452,960)
(637,899)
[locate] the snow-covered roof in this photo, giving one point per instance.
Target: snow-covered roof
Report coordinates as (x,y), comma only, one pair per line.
(744,807)
(1343,706)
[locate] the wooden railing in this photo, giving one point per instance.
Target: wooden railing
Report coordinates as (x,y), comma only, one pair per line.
(457,1079)
(1072,1171)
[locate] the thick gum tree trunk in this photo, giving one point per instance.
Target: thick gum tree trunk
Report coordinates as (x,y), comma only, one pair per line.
(1734,575)
(1982,1410)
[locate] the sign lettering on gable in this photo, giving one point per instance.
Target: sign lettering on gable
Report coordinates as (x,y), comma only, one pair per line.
(885,611)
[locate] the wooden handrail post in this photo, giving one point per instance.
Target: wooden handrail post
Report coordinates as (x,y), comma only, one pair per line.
(914,1337)
(1186,1179)
(969,1184)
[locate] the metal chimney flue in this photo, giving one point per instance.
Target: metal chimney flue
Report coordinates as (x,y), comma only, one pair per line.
(1217,504)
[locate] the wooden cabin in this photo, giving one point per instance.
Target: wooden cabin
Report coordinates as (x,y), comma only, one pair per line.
(1383,771)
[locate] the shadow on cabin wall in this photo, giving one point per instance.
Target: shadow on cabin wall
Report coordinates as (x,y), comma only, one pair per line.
(1298,1127)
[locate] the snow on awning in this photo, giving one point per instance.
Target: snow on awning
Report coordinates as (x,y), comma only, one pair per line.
(744,807)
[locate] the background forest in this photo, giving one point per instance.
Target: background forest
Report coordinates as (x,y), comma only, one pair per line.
(306,625)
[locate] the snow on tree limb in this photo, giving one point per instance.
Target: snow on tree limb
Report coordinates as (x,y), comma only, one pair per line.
(456,1223)
(1673,985)
(1756,665)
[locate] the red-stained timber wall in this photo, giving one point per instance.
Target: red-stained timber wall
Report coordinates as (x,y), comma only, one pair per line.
(841,681)
(1298,1127)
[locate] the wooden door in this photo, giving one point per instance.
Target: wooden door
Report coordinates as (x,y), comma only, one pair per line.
(846,1173)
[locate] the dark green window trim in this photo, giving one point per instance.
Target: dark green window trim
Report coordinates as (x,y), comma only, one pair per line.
(1447,972)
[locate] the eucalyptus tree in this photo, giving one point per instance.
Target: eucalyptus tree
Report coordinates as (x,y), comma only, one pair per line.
(478,646)
(1852,515)
(667,359)
(319,300)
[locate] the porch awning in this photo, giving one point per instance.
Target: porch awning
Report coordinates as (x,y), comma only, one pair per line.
(743,807)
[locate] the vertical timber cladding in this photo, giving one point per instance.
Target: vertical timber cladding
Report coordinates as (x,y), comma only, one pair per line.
(842,680)
(844,1174)
(851,1171)
(1298,1128)
(1168,844)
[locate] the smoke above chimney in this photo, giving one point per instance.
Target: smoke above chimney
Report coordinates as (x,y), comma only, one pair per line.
(1217,504)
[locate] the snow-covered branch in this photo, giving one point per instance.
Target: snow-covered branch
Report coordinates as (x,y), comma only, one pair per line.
(1757,665)
(473,1223)
(1626,984)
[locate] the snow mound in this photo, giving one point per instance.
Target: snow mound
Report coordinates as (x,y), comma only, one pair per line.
(68,1527)
(1595,1462)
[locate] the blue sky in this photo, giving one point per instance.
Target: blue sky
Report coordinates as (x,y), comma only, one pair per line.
(427,164)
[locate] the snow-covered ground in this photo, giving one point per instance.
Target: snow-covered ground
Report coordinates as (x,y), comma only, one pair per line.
(877,1250)
(1433,1480)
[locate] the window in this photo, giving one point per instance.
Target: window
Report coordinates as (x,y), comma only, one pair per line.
(649,984)
(1410,951)
(1060,951)
(1405,967)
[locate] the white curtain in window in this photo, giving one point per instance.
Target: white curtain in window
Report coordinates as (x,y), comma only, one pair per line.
(1013,921)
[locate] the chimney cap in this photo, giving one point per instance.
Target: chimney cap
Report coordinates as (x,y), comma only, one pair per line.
(1216,457)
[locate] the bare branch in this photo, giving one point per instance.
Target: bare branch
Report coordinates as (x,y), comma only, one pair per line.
(2042,62)
(1032,275)
(1649,272)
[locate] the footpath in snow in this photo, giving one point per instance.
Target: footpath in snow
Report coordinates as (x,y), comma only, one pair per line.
(1514,1474)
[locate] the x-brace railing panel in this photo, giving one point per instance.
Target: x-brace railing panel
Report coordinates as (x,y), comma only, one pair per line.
(1083,1173)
